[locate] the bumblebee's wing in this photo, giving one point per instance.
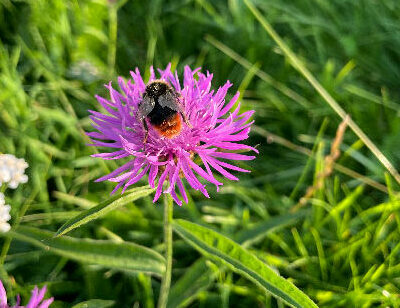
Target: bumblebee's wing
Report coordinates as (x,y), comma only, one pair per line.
(169,100)
(145,107)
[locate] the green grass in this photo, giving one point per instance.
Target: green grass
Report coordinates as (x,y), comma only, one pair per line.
(342,249)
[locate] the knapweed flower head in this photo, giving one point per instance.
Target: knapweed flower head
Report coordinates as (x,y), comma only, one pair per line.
(12,170)
(4,215)
(36,300)
(210,133)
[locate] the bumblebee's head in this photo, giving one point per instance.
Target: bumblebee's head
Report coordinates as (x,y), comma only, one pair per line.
(156,88)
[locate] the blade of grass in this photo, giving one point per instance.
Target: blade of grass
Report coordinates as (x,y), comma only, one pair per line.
(290,145)
(261,74)
(95,303)
(103,208)
(298,65)
(308,165)
(262,229)
(112,40)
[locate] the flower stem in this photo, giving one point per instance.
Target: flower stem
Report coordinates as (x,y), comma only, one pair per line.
(166,279)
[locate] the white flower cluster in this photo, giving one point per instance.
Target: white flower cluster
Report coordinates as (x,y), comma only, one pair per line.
(4,214)
(12,173)
(12,170)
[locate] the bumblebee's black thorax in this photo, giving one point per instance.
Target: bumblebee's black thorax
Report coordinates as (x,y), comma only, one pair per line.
(156,89)
(159,114)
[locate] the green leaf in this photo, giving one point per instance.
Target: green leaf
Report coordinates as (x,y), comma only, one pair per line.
(220,248)
(104,208)
(94,303)
(260,230)
(122,256)
(61,216)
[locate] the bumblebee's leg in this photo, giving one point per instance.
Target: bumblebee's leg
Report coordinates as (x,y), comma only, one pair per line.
(185,119)
(146,129)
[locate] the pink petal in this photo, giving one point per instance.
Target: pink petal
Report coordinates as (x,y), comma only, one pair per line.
(191,178)
(233,156)
(3,295)
(152,75)
(221,170)
(152,175)
(175,197)
(136,178)
(160,183)
(229,105)
(117,187)
(229,166)
(46,303)
(202,173)
(33,301)
(122,85)
(41,294)
(116,171)
(182,189)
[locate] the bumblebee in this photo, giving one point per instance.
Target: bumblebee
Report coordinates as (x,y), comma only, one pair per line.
(161,107)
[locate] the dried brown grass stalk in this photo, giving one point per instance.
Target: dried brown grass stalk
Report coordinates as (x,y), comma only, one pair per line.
(329,164)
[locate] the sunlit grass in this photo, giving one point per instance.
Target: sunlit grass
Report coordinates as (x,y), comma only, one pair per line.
(341,248)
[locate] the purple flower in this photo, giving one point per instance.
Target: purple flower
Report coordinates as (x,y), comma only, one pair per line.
(36,300)
(211,133)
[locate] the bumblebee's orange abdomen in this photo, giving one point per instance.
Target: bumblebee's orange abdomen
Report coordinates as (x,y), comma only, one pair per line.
(170,127)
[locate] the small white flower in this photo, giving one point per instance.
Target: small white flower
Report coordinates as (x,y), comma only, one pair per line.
(5,174)
(13,184)
(4,215)
(385,293)
(12,170)
(5,212)
(12,173)
(2,200)
(4,227)
(21,164)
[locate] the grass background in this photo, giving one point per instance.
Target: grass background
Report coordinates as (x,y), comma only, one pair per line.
(343,251)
